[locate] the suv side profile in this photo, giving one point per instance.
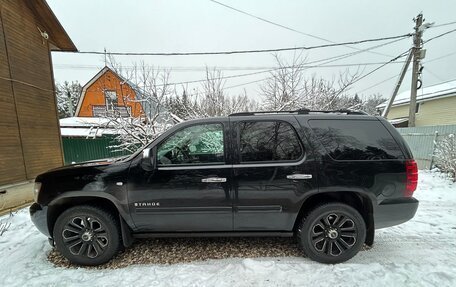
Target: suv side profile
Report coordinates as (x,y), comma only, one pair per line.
(330,178)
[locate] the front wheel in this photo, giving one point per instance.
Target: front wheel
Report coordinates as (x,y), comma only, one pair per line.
(87,235)
(332,233)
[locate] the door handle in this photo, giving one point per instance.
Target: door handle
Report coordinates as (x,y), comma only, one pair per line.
(299,176)
(214,179)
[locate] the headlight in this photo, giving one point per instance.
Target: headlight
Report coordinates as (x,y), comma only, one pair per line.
(36,190)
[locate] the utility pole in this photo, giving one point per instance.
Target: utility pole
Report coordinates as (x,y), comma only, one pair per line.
(105,60)
(415,67)
(417,54)
(398,84)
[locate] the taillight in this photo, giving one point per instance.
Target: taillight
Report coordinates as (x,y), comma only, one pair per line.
(411,172)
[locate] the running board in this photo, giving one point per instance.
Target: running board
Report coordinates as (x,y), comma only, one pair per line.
(212,234)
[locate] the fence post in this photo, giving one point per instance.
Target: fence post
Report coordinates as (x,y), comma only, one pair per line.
(436,135)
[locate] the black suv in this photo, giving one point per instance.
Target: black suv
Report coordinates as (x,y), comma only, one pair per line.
(328,178)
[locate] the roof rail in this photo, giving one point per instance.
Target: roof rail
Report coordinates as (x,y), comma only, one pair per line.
(343,111)
(301,111)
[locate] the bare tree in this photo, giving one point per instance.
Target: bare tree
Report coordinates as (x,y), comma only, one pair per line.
(281,91)
(371,102)
(211,100)
(288,88)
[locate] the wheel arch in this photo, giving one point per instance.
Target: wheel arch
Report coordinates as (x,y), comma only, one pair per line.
(62,203)
(363,203)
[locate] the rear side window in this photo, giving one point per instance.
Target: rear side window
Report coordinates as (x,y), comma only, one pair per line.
(268,141)
(356,140)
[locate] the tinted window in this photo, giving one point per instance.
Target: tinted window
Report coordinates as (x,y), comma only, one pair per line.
(356,140)
(268,141)
(201,144)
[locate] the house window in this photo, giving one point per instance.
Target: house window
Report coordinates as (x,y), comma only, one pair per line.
(111,100)
(417,108)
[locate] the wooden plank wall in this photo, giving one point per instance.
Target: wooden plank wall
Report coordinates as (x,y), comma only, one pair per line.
(35,109)
(12,168)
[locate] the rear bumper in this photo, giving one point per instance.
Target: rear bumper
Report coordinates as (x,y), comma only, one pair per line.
(38,214)
(394,212)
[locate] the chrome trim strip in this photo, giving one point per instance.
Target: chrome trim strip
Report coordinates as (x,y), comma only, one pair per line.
(184,210)
(258,208)
(272,164)
(216,166)
(242,165)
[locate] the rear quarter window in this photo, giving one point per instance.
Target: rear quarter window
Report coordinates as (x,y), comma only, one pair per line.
(356,140)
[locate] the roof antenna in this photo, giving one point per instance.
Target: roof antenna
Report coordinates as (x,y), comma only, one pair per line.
(105,57)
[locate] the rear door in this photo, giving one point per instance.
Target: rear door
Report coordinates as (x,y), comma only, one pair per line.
(273,170)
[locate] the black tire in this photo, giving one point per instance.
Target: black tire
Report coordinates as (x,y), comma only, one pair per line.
(87,235)
(332,233)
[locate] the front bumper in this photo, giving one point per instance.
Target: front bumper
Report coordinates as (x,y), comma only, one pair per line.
(394,212)
(38,214)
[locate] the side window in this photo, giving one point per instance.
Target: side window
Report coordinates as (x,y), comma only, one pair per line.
(356,140)
(200,144)
(268,141)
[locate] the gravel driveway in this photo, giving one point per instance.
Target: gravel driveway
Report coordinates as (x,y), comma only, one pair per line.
(182,250)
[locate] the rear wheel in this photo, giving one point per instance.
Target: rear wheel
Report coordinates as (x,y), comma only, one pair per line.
(87,235)
(332,233)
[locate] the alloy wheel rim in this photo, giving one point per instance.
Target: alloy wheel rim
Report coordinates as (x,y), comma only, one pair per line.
(333,234)
(85,236)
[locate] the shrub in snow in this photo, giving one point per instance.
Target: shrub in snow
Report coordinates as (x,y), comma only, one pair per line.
(5,224)
(445,155)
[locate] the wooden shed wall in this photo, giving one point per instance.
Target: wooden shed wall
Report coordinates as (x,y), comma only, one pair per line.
(29,131)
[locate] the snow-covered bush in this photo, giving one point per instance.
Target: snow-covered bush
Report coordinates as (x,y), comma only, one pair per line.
(67,98)
(445,155)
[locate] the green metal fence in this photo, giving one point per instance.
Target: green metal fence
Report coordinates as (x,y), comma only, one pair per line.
(421,141)
(79,149)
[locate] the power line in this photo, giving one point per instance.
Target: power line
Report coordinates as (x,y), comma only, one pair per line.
(222,68)
(379,83)
(425,62)
(434,75)
(440,35)
(444,24)
(381,66)
(390,78)
(288,28)
(243,51)
(438,58)
(325,61)
(300,68)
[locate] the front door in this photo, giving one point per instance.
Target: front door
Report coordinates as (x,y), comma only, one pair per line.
(189,190)
(272,173)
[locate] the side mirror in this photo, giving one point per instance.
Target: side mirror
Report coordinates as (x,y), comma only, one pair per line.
(148,161)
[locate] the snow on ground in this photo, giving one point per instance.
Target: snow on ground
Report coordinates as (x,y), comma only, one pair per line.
(421,252)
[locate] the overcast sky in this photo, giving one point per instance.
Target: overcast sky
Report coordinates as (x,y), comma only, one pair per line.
(201,25)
